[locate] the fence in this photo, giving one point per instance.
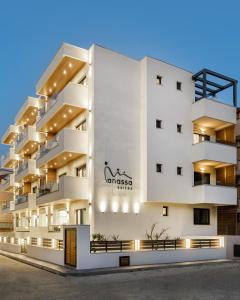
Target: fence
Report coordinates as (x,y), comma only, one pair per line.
(151,245)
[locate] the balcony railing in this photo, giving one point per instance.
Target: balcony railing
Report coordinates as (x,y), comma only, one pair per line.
(47,188)
(45,148)
(21,199)
(21,136)
(23,166)
(6,205)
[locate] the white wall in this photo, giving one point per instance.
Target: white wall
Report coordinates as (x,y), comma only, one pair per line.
(46,254)
(87,260)
(127,102)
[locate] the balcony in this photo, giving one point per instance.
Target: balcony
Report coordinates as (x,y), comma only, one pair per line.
(10,135)
(8,183)
(28,141)
(27,171)
(25,201)
(10,158)
(213,114)
(69,103)
(214,194)
(67,145)
(68,187)
(218,152)
(67,62)
(28,112)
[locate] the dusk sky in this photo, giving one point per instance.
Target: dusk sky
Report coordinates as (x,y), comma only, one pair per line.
(189,34)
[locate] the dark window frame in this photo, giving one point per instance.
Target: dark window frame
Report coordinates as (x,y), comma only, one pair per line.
(158,124)
(159,79)
(179,85)
(179,128)
(159,168)
(179,171)
(197,220)
(165,213)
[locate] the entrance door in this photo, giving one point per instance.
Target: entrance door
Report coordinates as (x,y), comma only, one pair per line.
(70,247)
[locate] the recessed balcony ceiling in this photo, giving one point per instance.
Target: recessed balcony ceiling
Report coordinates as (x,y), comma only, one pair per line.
(61,117)
(28,113)
(215,124)
(210,163)
(64,72)
(10,135)
(29,148)
(61,160)
(66,63)
(30,178)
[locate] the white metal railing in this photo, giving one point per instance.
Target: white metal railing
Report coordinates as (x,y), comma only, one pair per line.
(23,166)
(45,148)
(21,199)
(47,188)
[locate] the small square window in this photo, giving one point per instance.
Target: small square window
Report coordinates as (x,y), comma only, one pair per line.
(201,216)
(158,123)
(159,79)
(159,168)
(179,170)
(165,211)
(179,86)
(179,128)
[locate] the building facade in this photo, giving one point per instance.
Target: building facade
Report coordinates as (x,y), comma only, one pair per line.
(121,144)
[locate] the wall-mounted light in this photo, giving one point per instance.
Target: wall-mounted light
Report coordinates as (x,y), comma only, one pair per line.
(221,242)
(115,207)
(125,208)
(137,245)
(103,206)
(187,243)
(136,208)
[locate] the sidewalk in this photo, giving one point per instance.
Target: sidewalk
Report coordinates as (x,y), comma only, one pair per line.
(67,271)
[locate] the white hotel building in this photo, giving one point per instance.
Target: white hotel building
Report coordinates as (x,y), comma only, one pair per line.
(121,144)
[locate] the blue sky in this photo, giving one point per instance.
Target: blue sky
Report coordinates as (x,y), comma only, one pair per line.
(189,34)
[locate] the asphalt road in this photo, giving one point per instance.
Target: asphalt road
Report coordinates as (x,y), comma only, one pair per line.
(221,281)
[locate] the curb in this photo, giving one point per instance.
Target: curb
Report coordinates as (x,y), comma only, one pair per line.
(104,271)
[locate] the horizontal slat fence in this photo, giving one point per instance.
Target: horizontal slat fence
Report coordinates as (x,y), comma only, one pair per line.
(162,244)
(111,246)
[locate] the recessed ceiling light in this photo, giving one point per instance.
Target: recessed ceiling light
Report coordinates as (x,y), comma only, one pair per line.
(70,65)
(70,110)
(50,90)
(32,113)
(55,163)
(64,158)
(64,72)
(50,166)
(54,84)
(50,128)
(64,116)
(70,155)
(55,124)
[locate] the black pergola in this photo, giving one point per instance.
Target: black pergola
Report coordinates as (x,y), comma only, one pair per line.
(205,88)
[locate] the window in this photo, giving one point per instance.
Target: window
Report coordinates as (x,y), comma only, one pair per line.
(179,86)
(165,211)
(159,79)
(81,171)
(179,170)
(179,128)
(82,126)
(201,178)
(60,217)
(158,123)
(198,138)
(34,190)
(201,216)
(81,216)
(159,168)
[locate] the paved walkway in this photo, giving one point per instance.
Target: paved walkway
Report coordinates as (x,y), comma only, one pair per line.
(65,271)
(218,281)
